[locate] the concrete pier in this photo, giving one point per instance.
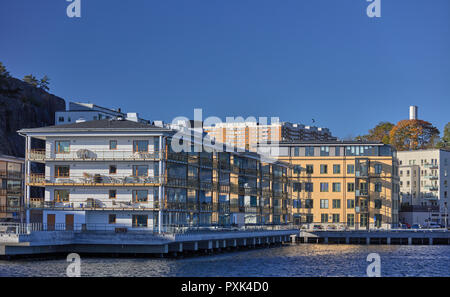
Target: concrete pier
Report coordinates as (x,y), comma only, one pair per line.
(410,237)
(47,242)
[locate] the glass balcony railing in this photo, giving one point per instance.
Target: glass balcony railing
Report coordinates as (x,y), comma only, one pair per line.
(93,180)
(89,155)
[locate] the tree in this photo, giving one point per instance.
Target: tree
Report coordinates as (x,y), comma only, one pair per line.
(379,133)
(445,140)
(3,71)
(413,135)
(30,79)
(44,82)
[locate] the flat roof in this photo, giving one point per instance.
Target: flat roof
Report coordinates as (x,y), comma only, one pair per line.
(322,142)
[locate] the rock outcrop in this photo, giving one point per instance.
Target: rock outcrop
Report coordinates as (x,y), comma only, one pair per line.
(23,106)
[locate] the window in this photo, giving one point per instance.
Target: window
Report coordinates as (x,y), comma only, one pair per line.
(297,187)
(62,171)
(62,146)
(336,203)
(61,119)
(140,195)
(112,194)
(324,187)
(324,218)
(297,169)
(336,169)
(112,169)
(363,220)
(378,219)
(111,219)
(309,151)
(309,218)
(140,146)
(378,168)
(378,187)
(350,169)
(140,220)
(113,144)
(61,196)
(140,170)
(351,220)
(324,150)
(350,203)
(323,169)
(336,187)
(324,203)
(350,187)
(336,218)
(308,187)
(296,203)
(296,151)
(378,203)
(309,169)
(309,203)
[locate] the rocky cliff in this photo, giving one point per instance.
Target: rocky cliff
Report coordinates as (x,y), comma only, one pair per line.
(23,106)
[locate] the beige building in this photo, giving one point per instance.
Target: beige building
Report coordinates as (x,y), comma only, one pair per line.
(341,184)
(248,134)
(11,187)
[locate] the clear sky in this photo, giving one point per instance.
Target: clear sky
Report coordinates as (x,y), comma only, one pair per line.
(295,59)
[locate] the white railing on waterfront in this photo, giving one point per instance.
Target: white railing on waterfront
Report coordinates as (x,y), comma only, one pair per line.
(86,154)
(23,228)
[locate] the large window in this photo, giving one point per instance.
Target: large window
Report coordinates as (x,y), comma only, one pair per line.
(350,169)
(351,220)
(309,187)
(324,187)
(350,187)
(297,187)
(350,203)
(378,168)
(324,150)
(336,187)
(323,169)
(336,203)
(336,168)
(309,151)
(140,170)
(140,195)
(62,171)
(140,146)
(62,146)
(61,196)
(309,169)
(336,218)
(324,218)
(140,220)
(324,203)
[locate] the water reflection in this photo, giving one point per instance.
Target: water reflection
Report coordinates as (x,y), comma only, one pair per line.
(292,260)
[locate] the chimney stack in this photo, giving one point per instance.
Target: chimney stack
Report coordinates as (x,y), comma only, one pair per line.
(413,111)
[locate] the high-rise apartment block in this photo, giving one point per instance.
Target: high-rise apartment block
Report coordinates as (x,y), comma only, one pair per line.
(248,134)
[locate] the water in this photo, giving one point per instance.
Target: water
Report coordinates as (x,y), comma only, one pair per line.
(289,261)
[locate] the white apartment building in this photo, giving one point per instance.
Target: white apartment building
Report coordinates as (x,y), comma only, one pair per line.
(109,174)
(424,185)
(90,112)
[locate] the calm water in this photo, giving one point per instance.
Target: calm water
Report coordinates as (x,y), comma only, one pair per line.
(292,260)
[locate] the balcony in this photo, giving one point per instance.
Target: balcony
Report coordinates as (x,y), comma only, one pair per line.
(363,193)
(431,166)
(96,180)
(93,204)
(93,155)
(431,187)
(431,177)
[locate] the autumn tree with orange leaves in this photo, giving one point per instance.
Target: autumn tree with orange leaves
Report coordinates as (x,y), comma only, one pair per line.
(413,135)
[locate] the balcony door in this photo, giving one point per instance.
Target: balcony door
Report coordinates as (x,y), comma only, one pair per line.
(50,222)
(69,222)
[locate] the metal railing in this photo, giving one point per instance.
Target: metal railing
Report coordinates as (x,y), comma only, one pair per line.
(23,228)
(89,155)
(93,179)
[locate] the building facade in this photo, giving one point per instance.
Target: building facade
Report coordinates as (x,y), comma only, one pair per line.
(90,112)
(424,185)
(109,174)
(248,134)
(11,188)
(341,184)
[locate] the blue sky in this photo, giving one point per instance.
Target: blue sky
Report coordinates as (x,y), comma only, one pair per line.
(295,59)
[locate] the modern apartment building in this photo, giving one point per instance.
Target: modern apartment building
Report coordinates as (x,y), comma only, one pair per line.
(110,174)
(11,188)
(248,134)
(90,112)
(341,184)
(424,185)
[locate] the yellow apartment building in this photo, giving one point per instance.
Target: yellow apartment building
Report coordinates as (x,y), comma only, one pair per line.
(341,184)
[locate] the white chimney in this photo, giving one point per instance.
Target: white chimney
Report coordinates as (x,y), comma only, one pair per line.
(413,112)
